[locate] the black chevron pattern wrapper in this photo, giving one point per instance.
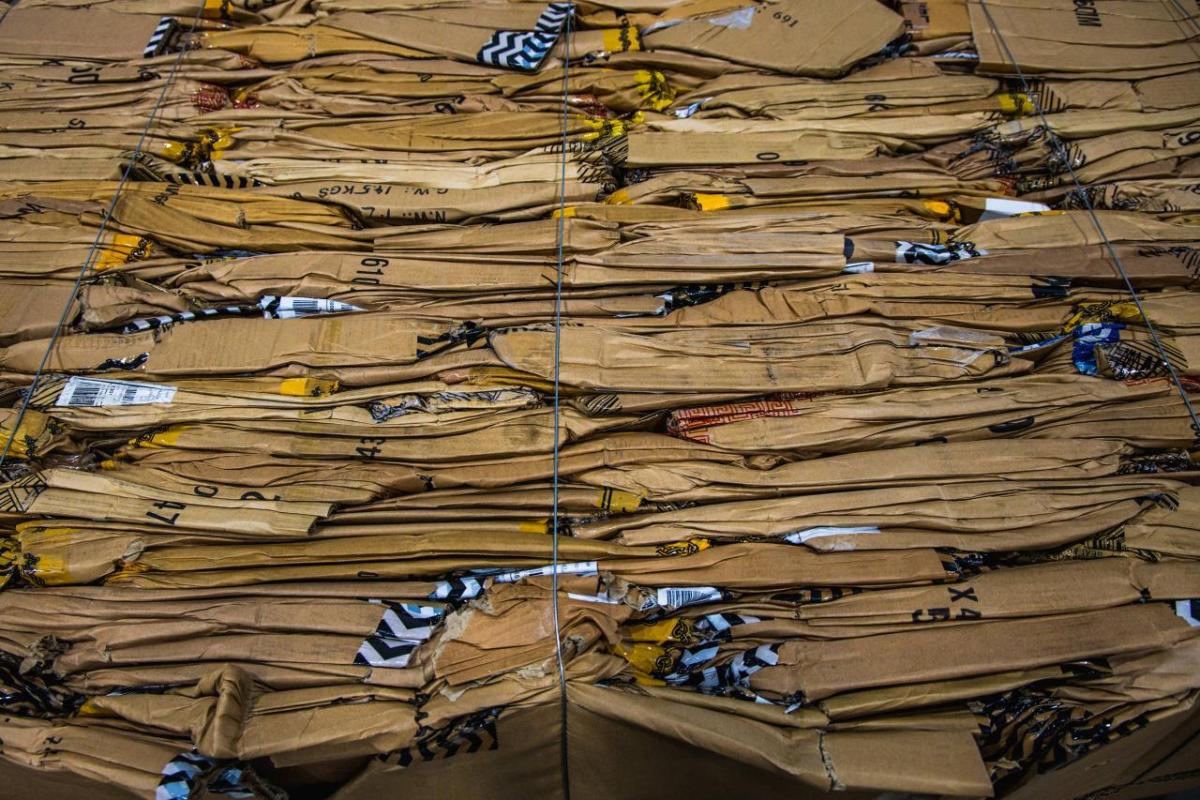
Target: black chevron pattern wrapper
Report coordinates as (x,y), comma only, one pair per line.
(161,38)
(401,631)
(457,589)
(526,50)
(467,735)
(269,307)
(190,776)
(779,419)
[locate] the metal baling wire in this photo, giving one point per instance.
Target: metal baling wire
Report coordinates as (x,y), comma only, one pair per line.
(1186,16)
(564,761)
(90,259)
(1055,142)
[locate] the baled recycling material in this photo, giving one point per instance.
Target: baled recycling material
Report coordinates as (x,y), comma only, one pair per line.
(438,398)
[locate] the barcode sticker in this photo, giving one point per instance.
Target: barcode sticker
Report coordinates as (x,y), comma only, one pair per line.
(800,537)
(859,267)
(91,393)
(593,598)
(576,568)
(999,207)
(292,307)
(678,598)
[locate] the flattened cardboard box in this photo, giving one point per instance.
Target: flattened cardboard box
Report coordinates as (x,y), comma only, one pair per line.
(611,757)
(76,33)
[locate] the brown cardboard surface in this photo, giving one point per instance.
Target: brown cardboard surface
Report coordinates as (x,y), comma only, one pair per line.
(795,36)
(79,33)
(756,368)
(610,756)
(1153,761)
(23,783)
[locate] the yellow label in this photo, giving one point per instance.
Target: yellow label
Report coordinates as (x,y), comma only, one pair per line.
(173,151)
(46,569)
(618,198)
(655,90)
(123,249)
(214,142)
(610,128)
(1104,312)
(672,629)
(308,387)
(619,40)
(648,658)
(166,438)
(9,555)
(46,535)
(107,259)
(655,632)
(219,138)
(565,213)
(540,528)
(683,548)
(127,571)
(711,202)
(617,500)
(90,709)
(939,209)
(19,447)
(31,435)
(1016,103)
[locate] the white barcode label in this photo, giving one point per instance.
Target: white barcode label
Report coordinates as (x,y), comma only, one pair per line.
(88,392)
(678,598)
(999,207)
(292,307)
(577,568)
(593,598)
(859,267)
(800,537)
(1189,611)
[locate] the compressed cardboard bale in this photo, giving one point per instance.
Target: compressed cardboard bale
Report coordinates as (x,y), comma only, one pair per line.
(749,388)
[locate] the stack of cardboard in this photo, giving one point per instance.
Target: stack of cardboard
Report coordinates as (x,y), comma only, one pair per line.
(458,395)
